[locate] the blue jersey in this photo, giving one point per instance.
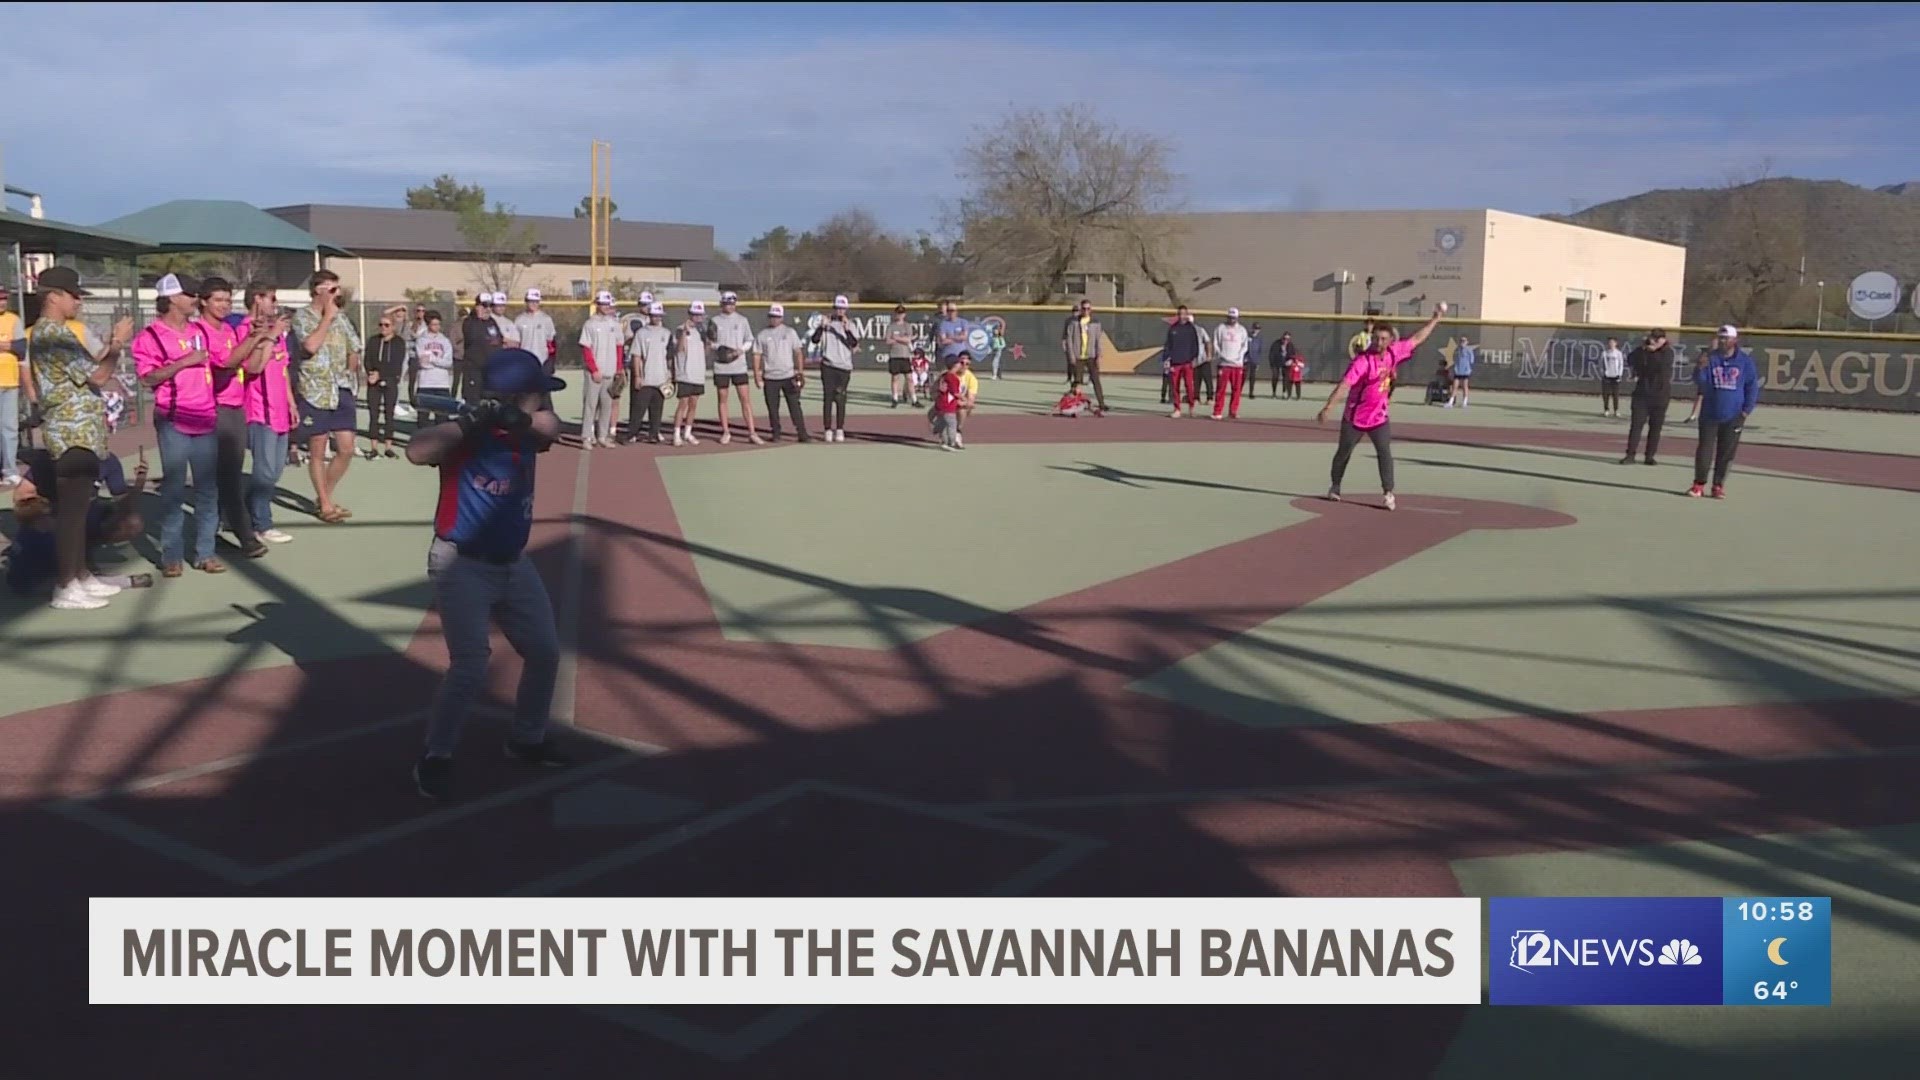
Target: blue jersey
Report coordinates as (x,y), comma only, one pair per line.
(486,497)
(1729,386)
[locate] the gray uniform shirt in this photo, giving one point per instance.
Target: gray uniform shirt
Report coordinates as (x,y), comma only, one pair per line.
(650,346)
(834,350)
(779,349)
(735,332)
(536,331)
(690,366)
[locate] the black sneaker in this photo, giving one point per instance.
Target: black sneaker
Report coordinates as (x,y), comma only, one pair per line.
(433,777)
(543,753)
(1628,460)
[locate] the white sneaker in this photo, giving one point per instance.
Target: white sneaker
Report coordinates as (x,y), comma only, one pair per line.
(692,440)
(93,586)
(75,598)
(275,536)
(1388,500)
(726,437)
(959,440)
(678,437)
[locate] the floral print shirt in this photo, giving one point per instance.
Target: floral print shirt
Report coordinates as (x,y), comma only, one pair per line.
(324,374)
(74,412)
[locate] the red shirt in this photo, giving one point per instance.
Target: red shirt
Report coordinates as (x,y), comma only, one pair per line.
(951,391)
(1069,401)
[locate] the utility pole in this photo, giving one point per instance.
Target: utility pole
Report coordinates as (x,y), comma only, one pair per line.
(599,223)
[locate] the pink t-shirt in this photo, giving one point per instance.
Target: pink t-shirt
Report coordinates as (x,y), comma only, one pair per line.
(229,387)
(270,394)
(187,398)
(1369,380)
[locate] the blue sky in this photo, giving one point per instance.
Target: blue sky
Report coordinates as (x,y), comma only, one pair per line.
(747,116)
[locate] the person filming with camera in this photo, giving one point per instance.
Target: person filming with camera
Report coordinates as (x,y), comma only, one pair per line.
(477,562)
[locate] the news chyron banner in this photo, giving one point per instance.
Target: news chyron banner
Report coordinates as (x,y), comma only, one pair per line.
(1660,950)
(760,951)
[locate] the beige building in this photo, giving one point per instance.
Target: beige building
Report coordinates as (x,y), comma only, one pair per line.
(1486,264)
(395,250)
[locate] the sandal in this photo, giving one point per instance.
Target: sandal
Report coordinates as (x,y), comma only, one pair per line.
(331,517)
(210,566)
(172,569)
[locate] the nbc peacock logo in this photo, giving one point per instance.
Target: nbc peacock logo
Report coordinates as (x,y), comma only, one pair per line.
(1679,953)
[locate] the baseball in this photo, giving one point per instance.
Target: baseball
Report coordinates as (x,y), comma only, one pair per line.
(1440,308)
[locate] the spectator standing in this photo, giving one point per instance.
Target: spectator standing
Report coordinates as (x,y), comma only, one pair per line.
(10,332)
(1613,367)
(479,337)
(778,365)
(1729,386)
(1278,360)
(689,372)
(416,325)
(509,330)
(270,405)
(172,359)
(602,358)
(950,334)
(837,337)
(900,385)
(433,363)
(1181,352)
(1464,356)
(534,329)
(1231,344)
(68,376)
(1081,339)
(650,360)
(386,363)
(1254,354)
(1652,366)
(227,351)
(731,337)
(328,356)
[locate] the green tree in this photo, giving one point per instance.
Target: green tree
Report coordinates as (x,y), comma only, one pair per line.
(499,246)
(446,193)
(585,209)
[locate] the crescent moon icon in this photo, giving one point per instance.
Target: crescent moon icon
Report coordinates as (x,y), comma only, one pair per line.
(1773,951)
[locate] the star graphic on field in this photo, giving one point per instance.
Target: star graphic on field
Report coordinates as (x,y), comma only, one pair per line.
(1019,352)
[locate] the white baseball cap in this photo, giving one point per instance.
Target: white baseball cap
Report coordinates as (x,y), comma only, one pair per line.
(656,308)
(169,286)
(646,297)
(1729,332)
(839,301)
(777,311)
(603,297)
(1233,313)
(696,308)
(482,299)
(533,296)
(499,299)
(729,298)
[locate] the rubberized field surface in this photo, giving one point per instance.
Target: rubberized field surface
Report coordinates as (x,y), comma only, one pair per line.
(1119,656)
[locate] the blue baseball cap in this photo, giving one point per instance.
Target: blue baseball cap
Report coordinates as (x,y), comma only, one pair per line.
(517,371)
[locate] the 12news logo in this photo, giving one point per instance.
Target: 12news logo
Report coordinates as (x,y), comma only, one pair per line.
(1530,949)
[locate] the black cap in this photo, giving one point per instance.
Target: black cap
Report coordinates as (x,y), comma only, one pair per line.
(60,279)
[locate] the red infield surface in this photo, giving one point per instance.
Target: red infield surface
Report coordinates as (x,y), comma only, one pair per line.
(1006,757)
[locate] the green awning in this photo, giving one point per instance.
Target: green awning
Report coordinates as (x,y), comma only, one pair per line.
(39,236)
(217,225)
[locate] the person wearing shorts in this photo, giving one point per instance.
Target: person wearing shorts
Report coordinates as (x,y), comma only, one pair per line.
(1463,358)
(328,349)
(900,384)
(1368,386)
(730,340)
(689,372)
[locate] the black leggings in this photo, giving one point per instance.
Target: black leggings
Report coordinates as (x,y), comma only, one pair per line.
(1718,441)
(1350,437)
(1273,383)
(775,390)
(1610,394)
(835,381)
(381,398)
(230,449)
(76,474)
(647,405)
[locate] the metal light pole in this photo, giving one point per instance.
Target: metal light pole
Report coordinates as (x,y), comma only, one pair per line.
(1820,308)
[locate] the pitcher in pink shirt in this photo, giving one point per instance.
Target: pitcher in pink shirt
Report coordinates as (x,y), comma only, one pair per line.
(171,358)
(224,361)
(1368,385)
(269,404)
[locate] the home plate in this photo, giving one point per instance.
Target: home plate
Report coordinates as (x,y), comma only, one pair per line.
(609,804)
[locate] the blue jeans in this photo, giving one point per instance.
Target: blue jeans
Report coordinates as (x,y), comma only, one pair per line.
(9,430)
(269,450)
(472,596)
(178,453)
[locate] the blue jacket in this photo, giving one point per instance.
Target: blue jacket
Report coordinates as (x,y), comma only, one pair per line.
(1183,343)
(1729,386)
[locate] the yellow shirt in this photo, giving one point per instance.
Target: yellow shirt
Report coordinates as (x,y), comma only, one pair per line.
(9,363)
(971,383)
(1085,345)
